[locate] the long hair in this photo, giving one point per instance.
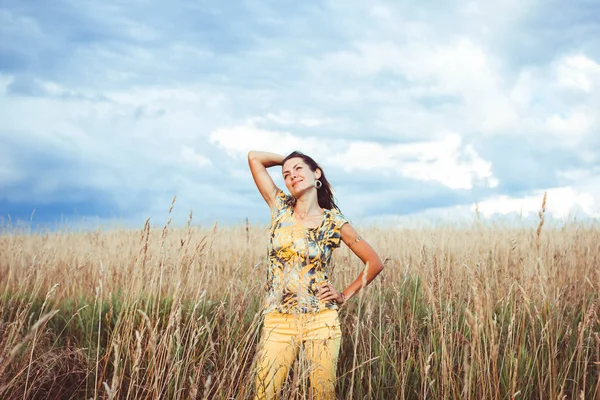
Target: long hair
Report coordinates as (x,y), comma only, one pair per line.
(324,193)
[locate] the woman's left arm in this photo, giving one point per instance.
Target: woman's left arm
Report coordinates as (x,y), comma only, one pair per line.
(367,254)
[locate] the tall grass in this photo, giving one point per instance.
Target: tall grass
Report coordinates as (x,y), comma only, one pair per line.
(483,312)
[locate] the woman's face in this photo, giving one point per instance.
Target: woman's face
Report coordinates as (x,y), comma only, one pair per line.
(298,176)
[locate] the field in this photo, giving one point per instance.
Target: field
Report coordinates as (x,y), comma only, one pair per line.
(476,312)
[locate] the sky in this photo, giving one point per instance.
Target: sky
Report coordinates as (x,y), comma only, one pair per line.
(416,110)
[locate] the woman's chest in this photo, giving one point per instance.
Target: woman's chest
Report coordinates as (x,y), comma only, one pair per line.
(290,240)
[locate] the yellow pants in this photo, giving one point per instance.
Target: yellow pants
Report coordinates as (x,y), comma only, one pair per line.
(282,336)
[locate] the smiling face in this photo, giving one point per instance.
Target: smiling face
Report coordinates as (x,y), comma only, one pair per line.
(298,176)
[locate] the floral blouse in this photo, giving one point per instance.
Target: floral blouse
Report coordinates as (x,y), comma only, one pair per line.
(298,260)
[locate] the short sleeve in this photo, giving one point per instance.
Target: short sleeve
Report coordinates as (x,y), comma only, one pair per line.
(280,203)
(338,220)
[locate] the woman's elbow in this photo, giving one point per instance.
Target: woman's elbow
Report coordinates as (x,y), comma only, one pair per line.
(376,266)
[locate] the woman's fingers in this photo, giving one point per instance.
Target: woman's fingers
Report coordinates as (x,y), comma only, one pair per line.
(325,289)
(333,297)
(327,292)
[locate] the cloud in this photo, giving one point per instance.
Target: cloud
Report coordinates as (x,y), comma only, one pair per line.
(578,72)
(577,123)
(190,156)
(561,203)
(287,118)
(238,140)
(127,146)
(446,161)
(410,107)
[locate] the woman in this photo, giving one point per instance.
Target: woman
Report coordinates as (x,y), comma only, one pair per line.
(301,304)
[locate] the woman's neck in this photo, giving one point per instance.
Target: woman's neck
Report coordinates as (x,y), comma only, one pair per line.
(307,205)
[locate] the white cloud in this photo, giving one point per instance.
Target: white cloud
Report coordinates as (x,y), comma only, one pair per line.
(457,66)
(5,80)
(557,103)
(450,171)
(577,123)
(116,143)
(189,155)
(9,174)
(238,140)
(446,161)
(578,72)
(561,202)
(286,118)
(398,88)
(577,174)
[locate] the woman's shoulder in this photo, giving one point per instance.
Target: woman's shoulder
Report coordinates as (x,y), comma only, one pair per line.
(337,217)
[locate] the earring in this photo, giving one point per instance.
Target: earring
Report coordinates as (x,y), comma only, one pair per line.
(318,184)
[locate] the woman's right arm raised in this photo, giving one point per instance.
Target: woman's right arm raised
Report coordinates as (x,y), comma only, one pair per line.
(259,161)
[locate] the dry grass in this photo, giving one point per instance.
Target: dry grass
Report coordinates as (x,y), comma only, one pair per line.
(483,312)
